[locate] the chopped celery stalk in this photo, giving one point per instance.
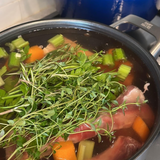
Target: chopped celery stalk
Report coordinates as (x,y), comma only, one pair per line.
(14,60)
(85,150)
(20,43)
(108,60)
(118,54)
(11,46)
(123,71)
(1,81)
(56,40)
(3,70)
(81,152)
(3,53)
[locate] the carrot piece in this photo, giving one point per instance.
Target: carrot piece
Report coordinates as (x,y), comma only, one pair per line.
(110,51)
(128,63)
(140,127)
(64,150)
(36,52)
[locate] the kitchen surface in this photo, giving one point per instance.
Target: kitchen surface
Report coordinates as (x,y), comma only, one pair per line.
(33,10)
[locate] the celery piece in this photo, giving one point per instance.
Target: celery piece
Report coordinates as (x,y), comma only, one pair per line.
(1,81)
(14,60)
(108,60)
(11,46)
(123,71)
(3,70)
(85,150)
(56,40)
(118,54)
(3,53)
(20,43)
(81,152)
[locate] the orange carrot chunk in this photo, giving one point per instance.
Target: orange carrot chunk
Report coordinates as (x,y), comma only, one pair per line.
(129,80)
(110,51)
(36,52)
(64,151)
(140,127)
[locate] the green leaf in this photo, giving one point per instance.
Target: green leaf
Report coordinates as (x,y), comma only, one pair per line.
(11,122)
(21,122)
(115,102)
(20,141)
(26,49)
(2,93)
(99,122)
(37,154)
(78,72)
(62,93)
(49,113)
(99,137)
(24,88)
(93,127)
(30,99)
(68,115)
(82,58)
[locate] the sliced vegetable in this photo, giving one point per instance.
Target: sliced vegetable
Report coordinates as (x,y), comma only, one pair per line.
(1,81)
(11,46)
(36,52)
(3,70)
(3,53)
(19,43)
(119,54)
(64,151)
(56,40)
(108,60)
(85,150)
(14,60)
(123,71)
(140,127)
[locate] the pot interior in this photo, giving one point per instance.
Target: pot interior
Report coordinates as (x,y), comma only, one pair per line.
(98,37)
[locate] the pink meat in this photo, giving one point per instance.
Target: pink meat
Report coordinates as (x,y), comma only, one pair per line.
(122,149)
(119,119)
(131,95)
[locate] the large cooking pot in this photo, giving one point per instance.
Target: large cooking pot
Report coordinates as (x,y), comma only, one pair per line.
(109,11)
(101,37)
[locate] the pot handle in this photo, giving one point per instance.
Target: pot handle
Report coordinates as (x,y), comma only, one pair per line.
(145,25)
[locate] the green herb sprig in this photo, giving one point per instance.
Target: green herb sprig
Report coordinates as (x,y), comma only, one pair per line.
(56,95)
